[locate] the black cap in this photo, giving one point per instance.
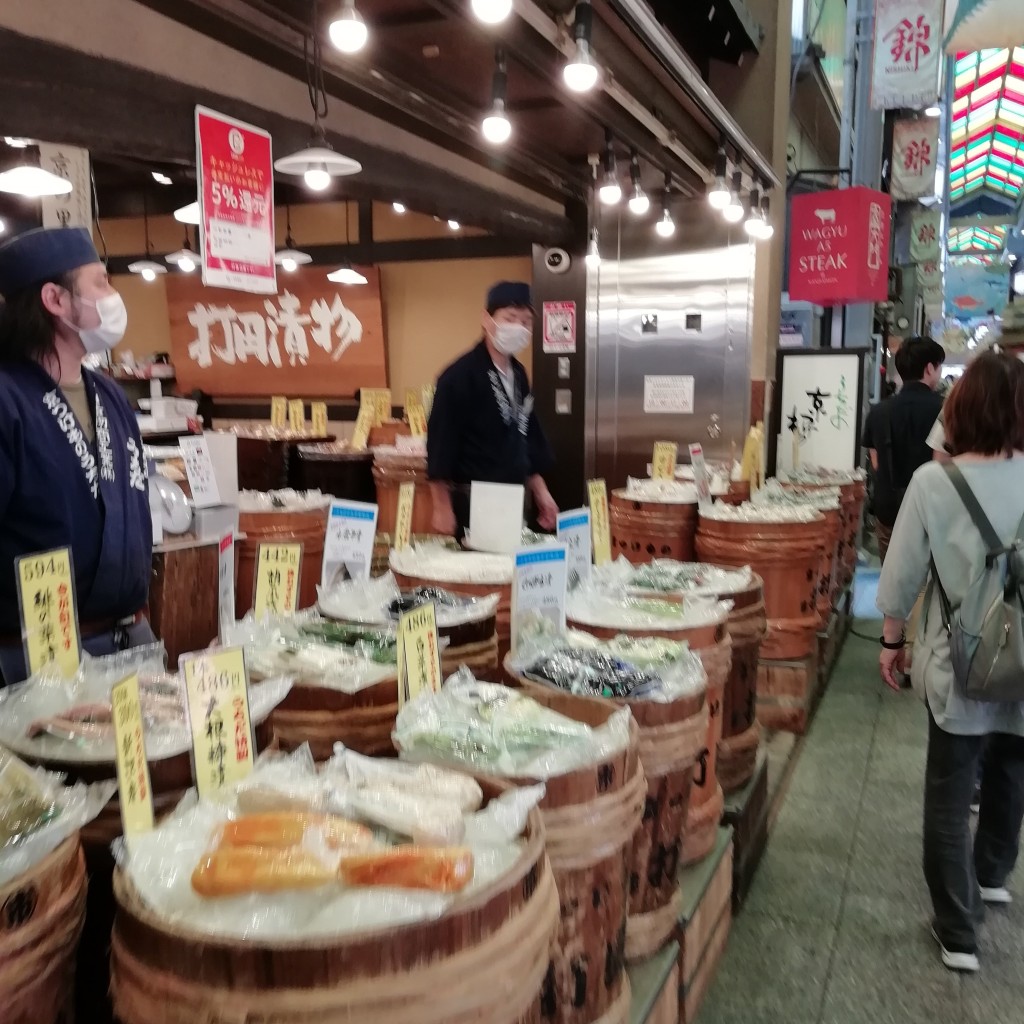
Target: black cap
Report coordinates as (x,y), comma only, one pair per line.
(509,293)
(43,254)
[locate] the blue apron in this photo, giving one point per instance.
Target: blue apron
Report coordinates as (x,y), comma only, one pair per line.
(58,490)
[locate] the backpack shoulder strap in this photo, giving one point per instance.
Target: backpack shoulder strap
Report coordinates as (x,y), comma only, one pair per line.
(993,544)
(885,418)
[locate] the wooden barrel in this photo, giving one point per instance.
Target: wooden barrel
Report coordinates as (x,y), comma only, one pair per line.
(671,737)
(334,469)
(41,915)
(485,959)
(266,463)
(384,434)
(391,469)
(321,717)
(307,527)
(642,530)
(738,493)
(856,494)
(787,556)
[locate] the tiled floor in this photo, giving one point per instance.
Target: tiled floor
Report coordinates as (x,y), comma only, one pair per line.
(835,928)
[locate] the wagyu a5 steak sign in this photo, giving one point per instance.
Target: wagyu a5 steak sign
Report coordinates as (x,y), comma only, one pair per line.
(839,247)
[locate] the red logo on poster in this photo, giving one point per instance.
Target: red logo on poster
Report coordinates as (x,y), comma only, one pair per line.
(839,247)
(236,203)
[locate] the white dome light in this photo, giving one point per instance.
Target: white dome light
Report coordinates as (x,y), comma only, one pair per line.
(348,30)
(491,12)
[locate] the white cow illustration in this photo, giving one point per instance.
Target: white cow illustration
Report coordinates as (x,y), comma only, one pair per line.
(826,216)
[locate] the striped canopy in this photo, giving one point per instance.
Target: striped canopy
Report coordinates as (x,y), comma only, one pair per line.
(981,23)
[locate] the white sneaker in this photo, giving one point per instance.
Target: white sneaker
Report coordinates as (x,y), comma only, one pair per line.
(998,896)
(966,962)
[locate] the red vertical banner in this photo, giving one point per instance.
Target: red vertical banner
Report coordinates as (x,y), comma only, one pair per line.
(839,247)
(235,168)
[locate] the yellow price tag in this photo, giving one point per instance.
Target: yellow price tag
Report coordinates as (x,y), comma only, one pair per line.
(49,615)
(599,521)
(318,414)
(417,421)
(419,657)
(383,400)
(217,692)
(136,794)
(278,568)
(278,411)
(296,414)
(663,466)
(403,518)
(427,399)
(364,423)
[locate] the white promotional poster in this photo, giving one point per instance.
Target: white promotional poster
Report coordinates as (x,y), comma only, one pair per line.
(539,587)
(926,236)
(907,54)
(915,149)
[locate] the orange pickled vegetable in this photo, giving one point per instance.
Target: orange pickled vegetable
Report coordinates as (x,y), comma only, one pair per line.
(234,870)
(281,830)
(438,869)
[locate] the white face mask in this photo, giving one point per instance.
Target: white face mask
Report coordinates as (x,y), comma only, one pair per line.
(113,323)
(511,338)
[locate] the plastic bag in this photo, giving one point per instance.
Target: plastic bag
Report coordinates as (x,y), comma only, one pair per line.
(666,576)
(434,562)
(37,813)
(773,493)
(605,608)
(490,728)
(624,668)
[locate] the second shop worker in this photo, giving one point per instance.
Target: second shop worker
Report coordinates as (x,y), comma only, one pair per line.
(482,425)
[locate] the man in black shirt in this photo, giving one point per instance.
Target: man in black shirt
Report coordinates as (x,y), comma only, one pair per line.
(482,424)
(896,431)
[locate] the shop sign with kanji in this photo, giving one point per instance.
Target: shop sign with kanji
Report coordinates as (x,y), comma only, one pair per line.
(915,149)
(312,338)
(907,53)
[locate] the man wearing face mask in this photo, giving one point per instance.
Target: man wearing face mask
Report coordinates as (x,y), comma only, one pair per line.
(482,425)
(72,472)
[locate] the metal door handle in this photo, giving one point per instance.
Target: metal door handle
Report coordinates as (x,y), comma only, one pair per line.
(715,426)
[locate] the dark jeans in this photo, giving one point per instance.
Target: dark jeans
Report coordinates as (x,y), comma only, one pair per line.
(952,869)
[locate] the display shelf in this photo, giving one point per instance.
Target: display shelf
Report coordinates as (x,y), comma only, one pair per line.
(705,921)
(746,811)
(655,984)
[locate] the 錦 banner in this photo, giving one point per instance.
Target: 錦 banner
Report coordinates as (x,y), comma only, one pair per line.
(915,146)
(236,203)
(926,236)
(839,247)
(907,53)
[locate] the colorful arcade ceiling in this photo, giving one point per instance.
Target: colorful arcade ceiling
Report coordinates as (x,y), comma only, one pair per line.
(962,240)
(987,130)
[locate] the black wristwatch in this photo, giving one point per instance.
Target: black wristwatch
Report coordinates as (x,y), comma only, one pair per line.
(897,646)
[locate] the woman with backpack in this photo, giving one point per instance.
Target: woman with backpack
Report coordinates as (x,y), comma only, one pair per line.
(963,521)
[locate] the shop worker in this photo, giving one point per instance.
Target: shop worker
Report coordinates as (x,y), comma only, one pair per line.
(72,472)
(483,426)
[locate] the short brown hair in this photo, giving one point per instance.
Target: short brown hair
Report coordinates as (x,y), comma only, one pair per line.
(984,413)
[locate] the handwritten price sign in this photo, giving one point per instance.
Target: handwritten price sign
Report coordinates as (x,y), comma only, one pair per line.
(403,519)
(278,567)
(135,791)
(49,615)
(318,414)
(663,465)
(297,415)
(278,411)
(217,689)
(598,493)
(419,656)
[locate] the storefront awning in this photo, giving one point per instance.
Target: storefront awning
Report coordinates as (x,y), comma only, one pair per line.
(987,126)
(976,240)
(980,23)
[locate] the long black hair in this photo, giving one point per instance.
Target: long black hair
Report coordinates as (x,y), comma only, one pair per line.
(27,327)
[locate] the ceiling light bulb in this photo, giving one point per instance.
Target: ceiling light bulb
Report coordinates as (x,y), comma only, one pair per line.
(933,111)
(288,265)
(33,182)
(17,143)
(398,207)
(581,73)
(718,194)
(317,177)
(491,12)
(666,227)
(610,193)
(496,126)
(754,222)
(148,275)
(187,214)
(733,213)
(639,202)
(454,225)
(593,257)
(160,178)
(348,30)
(186,265)
(346,275)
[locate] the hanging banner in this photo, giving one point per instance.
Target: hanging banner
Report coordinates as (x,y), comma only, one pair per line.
(926,236)
(839,247)
(907,53)
(976,289)
(235,170)
(929,275)
(226,343)
(915,148)
(73,210)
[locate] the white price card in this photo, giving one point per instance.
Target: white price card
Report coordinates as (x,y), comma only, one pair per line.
(538,593)
(574,533)
(700,476)
(226,583)
(202,480)
(348,550)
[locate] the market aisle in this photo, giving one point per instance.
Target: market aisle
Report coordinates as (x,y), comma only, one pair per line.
(835,928)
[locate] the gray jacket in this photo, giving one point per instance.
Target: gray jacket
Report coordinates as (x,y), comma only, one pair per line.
(933,520)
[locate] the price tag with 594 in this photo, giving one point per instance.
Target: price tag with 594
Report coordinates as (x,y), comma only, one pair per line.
(419,656)
(217,693)
(49,613)
(278,568)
